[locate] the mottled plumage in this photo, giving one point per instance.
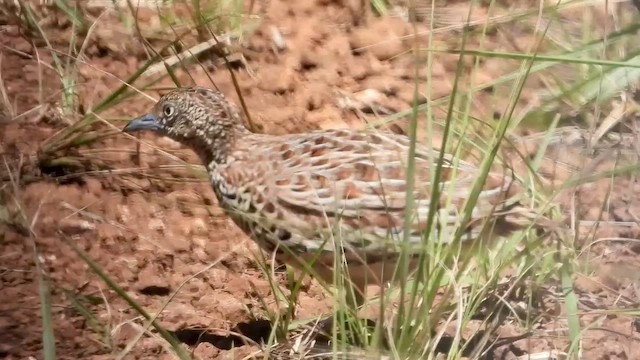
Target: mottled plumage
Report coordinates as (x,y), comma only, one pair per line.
(306,195)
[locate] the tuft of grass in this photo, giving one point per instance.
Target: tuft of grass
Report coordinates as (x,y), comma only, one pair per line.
(84,125)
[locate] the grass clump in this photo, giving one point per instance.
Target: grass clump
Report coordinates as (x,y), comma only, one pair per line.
(82,31)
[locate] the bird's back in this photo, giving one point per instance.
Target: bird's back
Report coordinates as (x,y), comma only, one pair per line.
(305,192)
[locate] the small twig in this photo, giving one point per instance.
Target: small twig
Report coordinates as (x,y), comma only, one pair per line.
(192,52)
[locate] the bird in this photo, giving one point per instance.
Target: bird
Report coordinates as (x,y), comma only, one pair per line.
(311,198)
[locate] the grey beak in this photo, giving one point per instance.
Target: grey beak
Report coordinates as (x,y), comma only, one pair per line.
(145,122)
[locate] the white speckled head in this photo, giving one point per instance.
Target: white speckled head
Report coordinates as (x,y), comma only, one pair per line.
(200,118)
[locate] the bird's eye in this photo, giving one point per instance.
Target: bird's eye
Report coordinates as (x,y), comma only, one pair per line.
(168,110)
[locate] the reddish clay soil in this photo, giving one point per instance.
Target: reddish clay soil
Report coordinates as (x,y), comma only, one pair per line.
(151,230)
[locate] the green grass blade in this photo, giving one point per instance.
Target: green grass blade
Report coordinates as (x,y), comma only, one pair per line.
(571,304)
(72,13)
(48,336)
(564,59)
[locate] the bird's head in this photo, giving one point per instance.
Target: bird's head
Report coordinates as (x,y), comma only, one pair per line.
(200,118)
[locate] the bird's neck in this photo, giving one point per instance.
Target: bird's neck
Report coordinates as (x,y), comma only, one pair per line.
(214,145)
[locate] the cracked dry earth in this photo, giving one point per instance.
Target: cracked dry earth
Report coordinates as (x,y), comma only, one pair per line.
(151,227)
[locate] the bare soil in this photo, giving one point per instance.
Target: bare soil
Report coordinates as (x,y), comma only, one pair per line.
(151,230)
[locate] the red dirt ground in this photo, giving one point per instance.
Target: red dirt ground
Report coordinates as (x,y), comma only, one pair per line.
(152,234)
